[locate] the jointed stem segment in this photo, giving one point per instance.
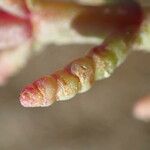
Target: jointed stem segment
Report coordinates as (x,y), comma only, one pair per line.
(80,74)
(121,26)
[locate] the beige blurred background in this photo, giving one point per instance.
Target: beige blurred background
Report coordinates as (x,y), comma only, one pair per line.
(100,119)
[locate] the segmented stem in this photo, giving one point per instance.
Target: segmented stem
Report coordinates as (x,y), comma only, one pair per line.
(80,75)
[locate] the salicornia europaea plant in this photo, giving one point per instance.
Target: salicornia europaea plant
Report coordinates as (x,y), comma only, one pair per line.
(117,28)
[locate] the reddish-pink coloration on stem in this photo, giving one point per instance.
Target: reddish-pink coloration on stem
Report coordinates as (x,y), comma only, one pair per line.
(41,93)
(30,96)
